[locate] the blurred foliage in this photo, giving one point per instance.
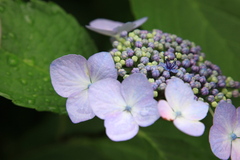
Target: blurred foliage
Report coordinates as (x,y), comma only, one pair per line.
(30,135)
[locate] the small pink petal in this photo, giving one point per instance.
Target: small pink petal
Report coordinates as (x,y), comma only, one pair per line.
(101,65)
(235,155)
(178,94)
(69,74)
(220,142)
(192,128)
(197,110)
(105,97)
(78,107)
(120,126)
(165,110)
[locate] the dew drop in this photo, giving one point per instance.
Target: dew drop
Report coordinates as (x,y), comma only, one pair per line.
(28,19)
(23,81)
(2,9)
(12,61)
(30,101)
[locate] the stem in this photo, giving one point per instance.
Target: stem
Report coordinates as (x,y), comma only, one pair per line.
(211,111)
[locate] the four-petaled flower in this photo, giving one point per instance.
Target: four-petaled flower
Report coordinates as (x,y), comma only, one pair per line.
(224,135)
(170,66)
(124,106)
(182,108)
(72,76)
(112,28)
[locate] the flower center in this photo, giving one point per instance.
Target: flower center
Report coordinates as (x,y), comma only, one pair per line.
(128,109)
(178,114)
(233,136)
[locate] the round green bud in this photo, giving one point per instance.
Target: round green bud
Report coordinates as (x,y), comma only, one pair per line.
(125,76)
(117,59)
(229,94)
(195,91)
(155,93)
(118,65)
(214,104)
(117,53)
(135,58)
(122,62)
(178,55)
(131,34)
(151,80)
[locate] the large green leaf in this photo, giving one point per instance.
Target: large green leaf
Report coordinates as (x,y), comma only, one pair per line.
(33,35)
(214,25)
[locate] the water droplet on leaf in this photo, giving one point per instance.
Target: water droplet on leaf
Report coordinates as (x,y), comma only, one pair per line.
(30,101)
(23,81)
(12,61)
(28,19)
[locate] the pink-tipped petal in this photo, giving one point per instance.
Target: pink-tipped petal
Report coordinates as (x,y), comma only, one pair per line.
(105,97)
(145,112)
(196,111)
(220,142)
(78,107)
(136,87)
(139,22)
(225,116)
(192,128)
(69,74)
(165,110)
(121,126)
(101,66)
(178,94)
(235,155)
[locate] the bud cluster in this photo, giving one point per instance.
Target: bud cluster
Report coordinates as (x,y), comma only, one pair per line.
(161,56)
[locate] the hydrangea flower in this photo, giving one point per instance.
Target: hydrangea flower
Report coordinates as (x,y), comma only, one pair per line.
(112,28)
(124,106)
(224,135)
(182,108)
(72,76)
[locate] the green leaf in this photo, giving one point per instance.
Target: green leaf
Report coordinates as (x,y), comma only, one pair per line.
(33,35)
(211,24)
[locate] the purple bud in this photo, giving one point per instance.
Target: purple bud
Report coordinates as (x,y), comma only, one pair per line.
(123,33)
(187,77)
(235,93)
(204,91)
(203,72)
(154,86)
(135,70)
(155,57)
(167,45)
(150,44)
(141,66)
(183,70)
(122,72)
(158,81)
(180,74)
(193,50)
(237,84)
(124,55)
(214,92)
(171,56)
(168,39)
(148,68)
(202,79)
(221,83)
(171,50)
(129,62)
(196,77)
(179,40)
(185,50)
(138,44)
(210,98)
(155,73)
(144,60)
(197,84)
(195,68)
(166,74)
(130,52)
(130,39)
(212,84)
(186,63)
(163,79)
(162,86)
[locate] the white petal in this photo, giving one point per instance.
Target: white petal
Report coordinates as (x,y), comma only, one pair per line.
(145,112)
(136,87)
(69,74)
(105,97)
(139,22)
(165,110)
(192,128)
(78,107)
(196,111)
(104,26)
(101,65)
(120,126)
(235,155)
(178,94)
(220,142)
(225,116)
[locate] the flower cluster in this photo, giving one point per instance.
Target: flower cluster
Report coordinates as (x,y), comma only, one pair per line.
(148,75)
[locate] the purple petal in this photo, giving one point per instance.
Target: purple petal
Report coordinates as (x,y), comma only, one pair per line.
(145,112)
(166,111)
(197,110)
(121,126)
(105,97)
(235,155)
(135,88)
(69,74)
(225,116)
(101,66)
(192,128)
(104,26)
(220,142)
(78,107)
(125,27)
(236,128)
(178,94)
(139,22)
